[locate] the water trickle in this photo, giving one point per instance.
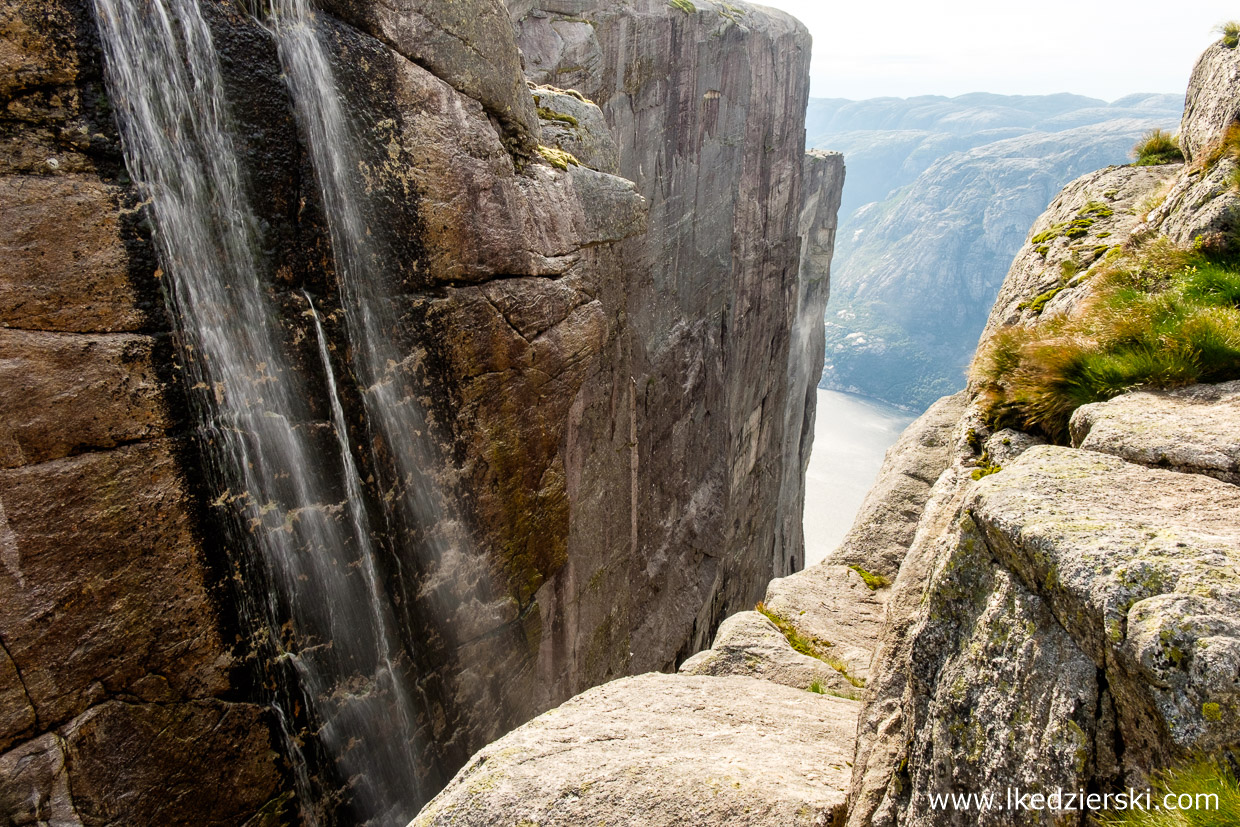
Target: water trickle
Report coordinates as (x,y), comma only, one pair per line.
(391,402)
(299,511)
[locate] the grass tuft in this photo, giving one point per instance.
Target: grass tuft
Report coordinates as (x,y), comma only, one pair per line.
(1231,33)
(1157,147)
(685,6)
(1161,318)
(1205,793)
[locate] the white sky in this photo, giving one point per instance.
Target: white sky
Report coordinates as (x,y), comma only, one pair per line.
(1102,48)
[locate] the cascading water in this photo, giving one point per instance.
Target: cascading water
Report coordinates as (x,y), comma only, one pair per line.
(300,514)
(391,405)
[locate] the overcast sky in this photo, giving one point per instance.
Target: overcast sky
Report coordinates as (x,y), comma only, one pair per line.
(1102,48)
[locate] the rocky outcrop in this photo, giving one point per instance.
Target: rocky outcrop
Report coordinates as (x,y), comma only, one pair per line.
(1212,103)
(663,750)
(1191,429)
(1064,617)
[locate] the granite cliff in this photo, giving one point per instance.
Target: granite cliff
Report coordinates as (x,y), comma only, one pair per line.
(600,381)
(1017,605)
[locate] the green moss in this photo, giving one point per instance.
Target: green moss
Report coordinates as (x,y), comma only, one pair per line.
(551,115)
(814,647)
(985,471)
(1042,250)
(1211,712)
(873,581)
(685,6)
(1048,235)
(557,157)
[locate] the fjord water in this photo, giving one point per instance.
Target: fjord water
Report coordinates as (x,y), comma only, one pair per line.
(313,595)
(851,435)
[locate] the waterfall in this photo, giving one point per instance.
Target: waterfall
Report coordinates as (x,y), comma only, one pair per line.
(391,403)
(298,513)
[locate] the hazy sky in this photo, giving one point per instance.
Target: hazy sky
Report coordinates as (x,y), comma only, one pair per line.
(1102,48)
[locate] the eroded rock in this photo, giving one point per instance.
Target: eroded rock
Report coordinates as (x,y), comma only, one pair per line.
(1194,429)
(749,644)
(1213,102)
(663,750)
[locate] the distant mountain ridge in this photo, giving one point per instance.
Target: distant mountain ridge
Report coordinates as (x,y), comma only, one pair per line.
(940,194)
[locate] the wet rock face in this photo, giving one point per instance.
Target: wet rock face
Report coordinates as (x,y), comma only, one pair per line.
(597,402)
(112,652)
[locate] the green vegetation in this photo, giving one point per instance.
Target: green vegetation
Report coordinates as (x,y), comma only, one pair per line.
(985,470)
(551,115)
(1231,33)
(817,688)
(1160,318)
(1205,794)
(1157,147)
(557,157)
(808,645)
(872,580)
(1079,225)
(685,6)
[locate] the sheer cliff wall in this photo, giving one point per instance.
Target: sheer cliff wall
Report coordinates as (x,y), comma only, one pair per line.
(611,408)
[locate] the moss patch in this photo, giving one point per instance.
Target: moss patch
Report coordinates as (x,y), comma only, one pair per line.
(872,580)
(557,157)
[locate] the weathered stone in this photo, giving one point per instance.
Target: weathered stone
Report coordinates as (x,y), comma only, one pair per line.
(1140,566)
(832,603)
(1003,447)
(103,590)
(16,712)
(749,644)
(466,43)
(1198,204)
(576,126)
(663,750)
(63,262)
(1213,100)
(127,763)
(887,520)
(68,393)
(1003,697)
(1039,268)
(34,785)
(1195,429)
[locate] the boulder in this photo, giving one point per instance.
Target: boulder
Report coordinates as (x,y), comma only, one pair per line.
(661,750)
(1213,100)
(836,605)
(1142,568)
(576,125)
(1194,429)
(750,644)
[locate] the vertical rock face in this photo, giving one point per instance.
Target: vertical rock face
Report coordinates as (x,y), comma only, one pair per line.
(707,104)
(113,652)
(618,419)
